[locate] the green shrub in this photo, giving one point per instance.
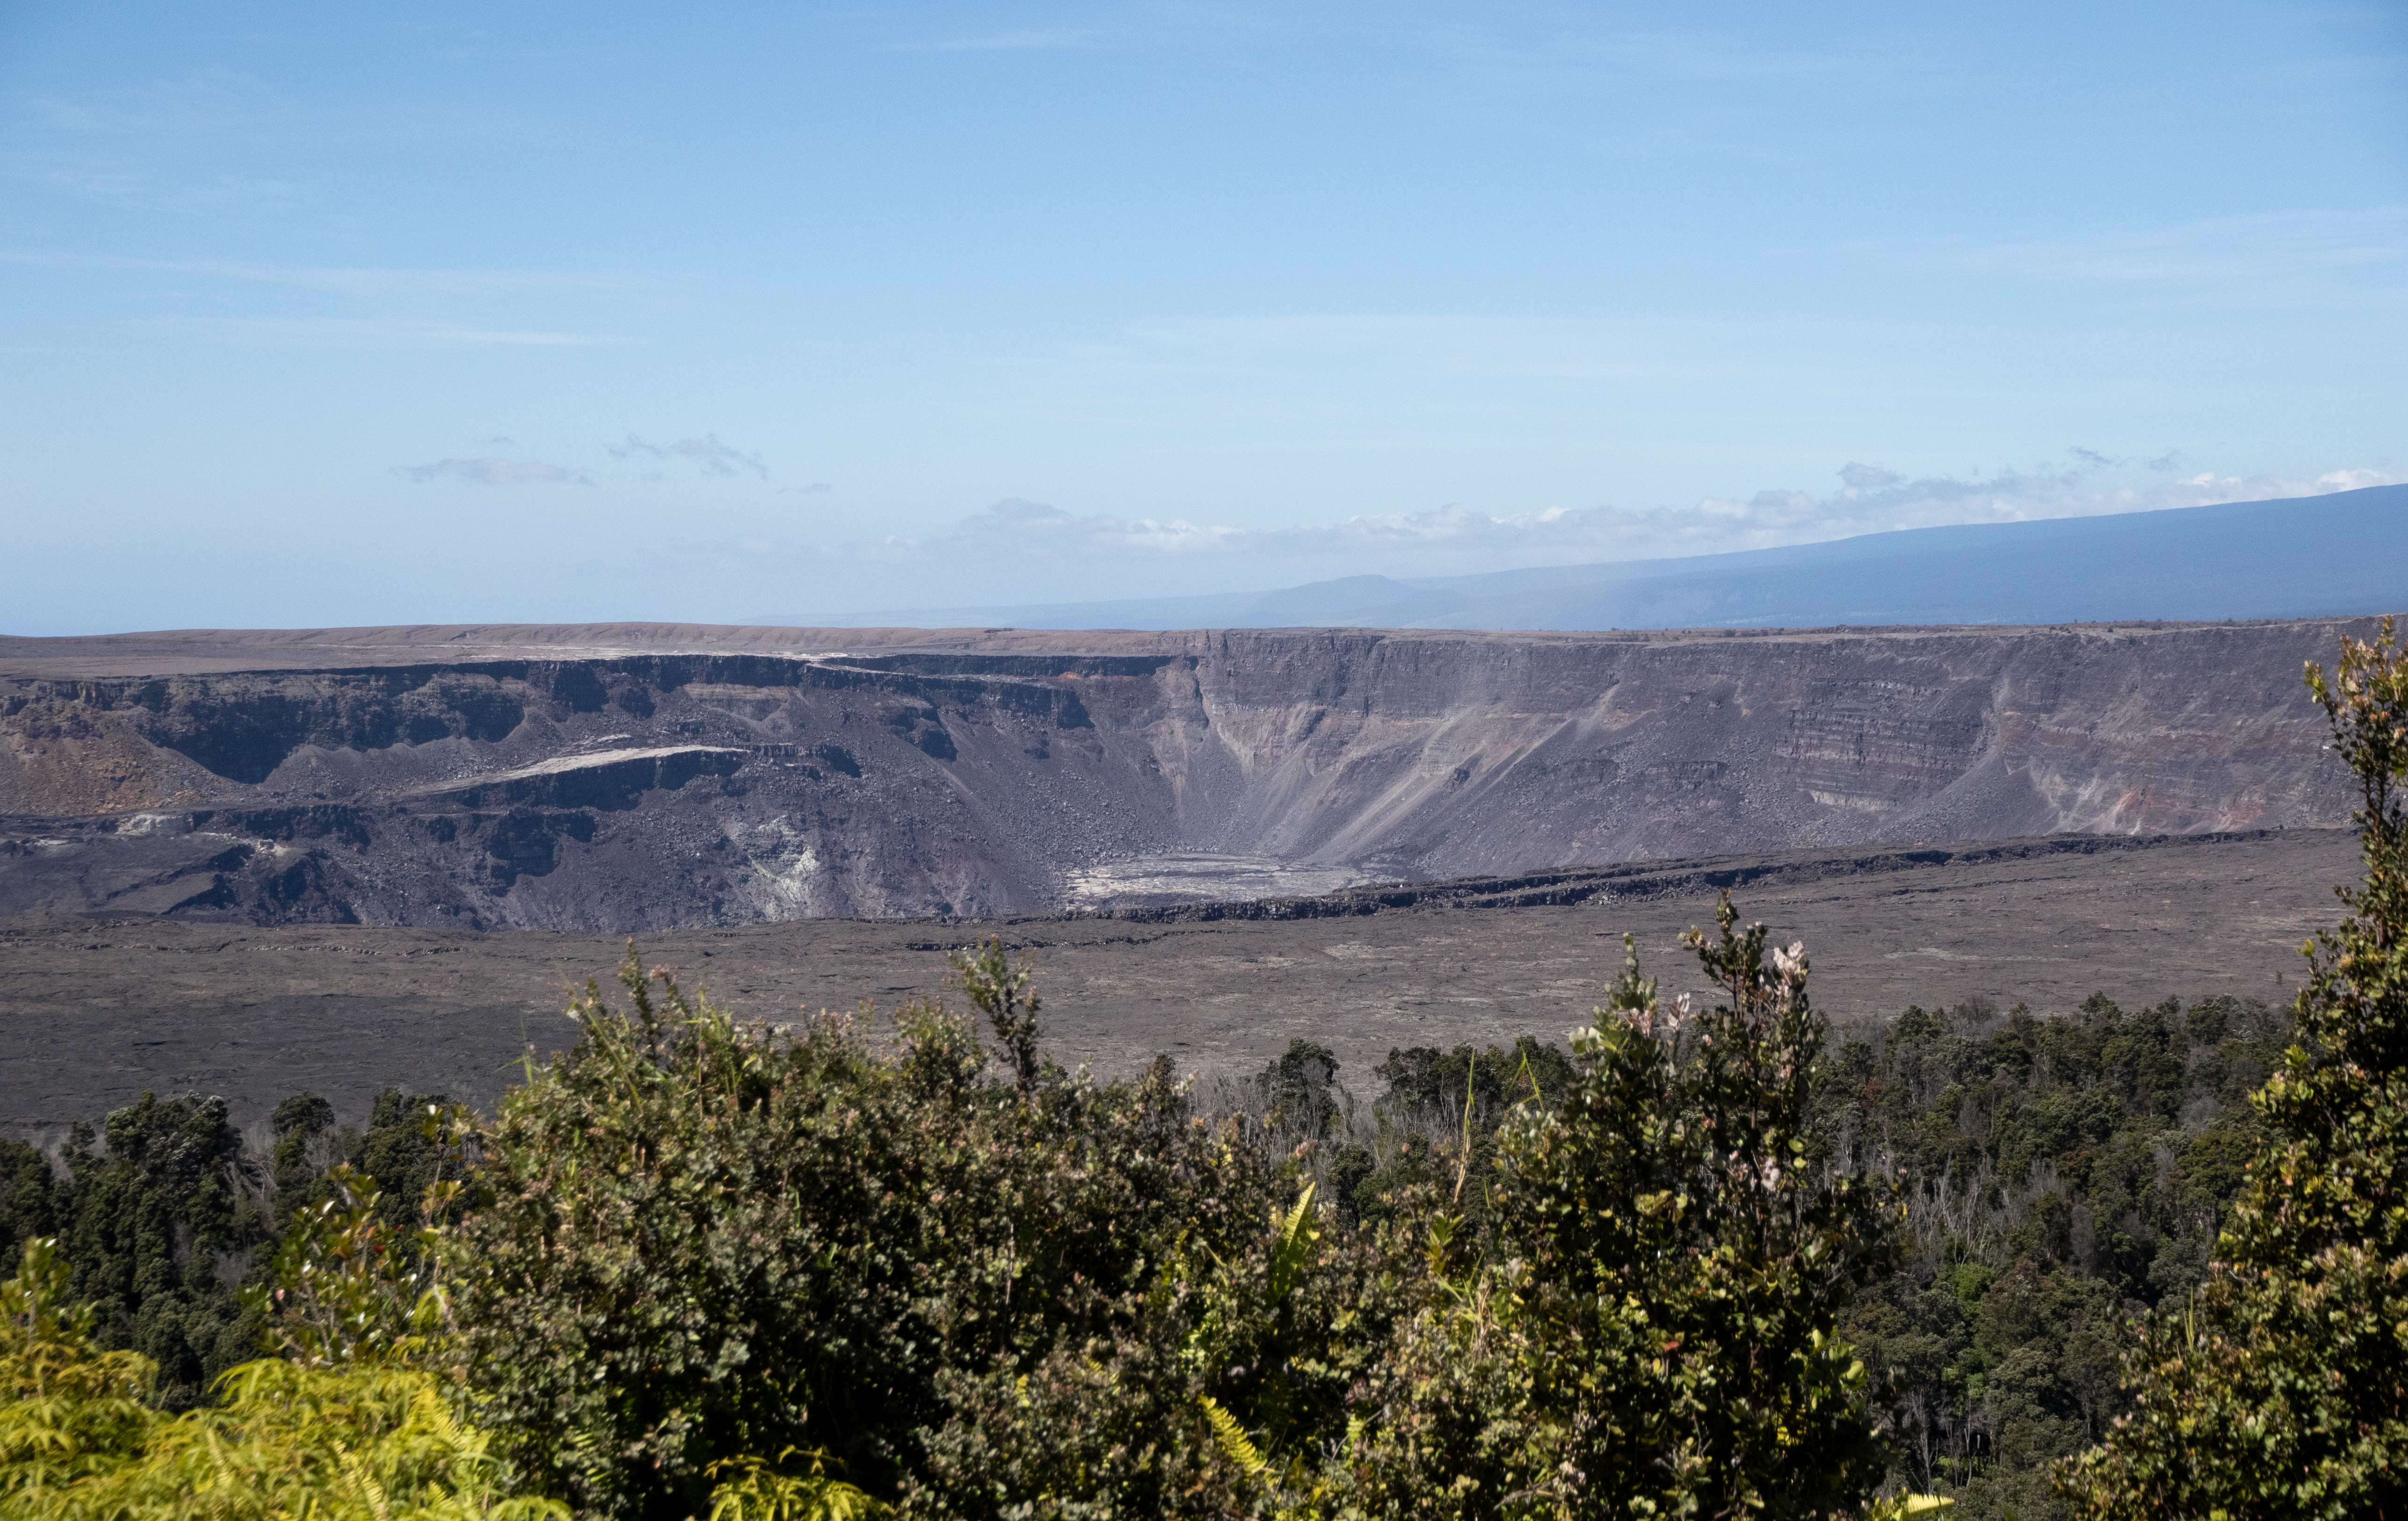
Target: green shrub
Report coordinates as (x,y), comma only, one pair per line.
(698,1241)
(70,1414)
(79,1441)
(1653,1330)
(2280,1388)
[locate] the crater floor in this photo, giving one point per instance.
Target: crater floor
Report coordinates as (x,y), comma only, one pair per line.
(96,1009)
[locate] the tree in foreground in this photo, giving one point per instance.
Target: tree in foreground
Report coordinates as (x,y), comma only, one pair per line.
(1653,1334)
(701,1249)
(2280,1390)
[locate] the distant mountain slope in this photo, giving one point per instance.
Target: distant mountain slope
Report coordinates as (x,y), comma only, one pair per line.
(2301,557)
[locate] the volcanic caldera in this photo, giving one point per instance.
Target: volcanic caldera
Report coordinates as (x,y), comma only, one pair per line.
(634,777)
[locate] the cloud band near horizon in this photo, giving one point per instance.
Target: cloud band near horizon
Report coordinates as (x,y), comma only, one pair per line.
(1454,540)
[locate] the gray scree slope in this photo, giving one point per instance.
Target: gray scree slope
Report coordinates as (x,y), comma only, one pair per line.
(642,777)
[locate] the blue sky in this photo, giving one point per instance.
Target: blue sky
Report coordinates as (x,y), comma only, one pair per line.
(342,314)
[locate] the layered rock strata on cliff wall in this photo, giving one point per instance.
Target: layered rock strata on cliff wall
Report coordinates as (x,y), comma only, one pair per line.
(637,777)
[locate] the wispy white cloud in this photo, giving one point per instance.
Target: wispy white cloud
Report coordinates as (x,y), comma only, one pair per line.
(163,141)
(2269,258)
(1016,39)
(716,458)
(118,180)
(1244,353)
(350,279)
(201,102)
(1874,501)
(147,144)
(493,472)
(367,332)
(1516,47)
(1135,24)
(1027,537)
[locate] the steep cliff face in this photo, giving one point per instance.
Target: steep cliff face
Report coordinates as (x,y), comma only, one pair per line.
(1494,757)
(633,777)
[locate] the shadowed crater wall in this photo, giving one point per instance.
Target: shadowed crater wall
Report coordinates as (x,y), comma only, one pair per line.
(648,777)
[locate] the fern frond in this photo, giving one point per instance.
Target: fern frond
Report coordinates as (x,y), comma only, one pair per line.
(764,1494)
(1294,1235)
(1234,1443)
(1903,1507)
